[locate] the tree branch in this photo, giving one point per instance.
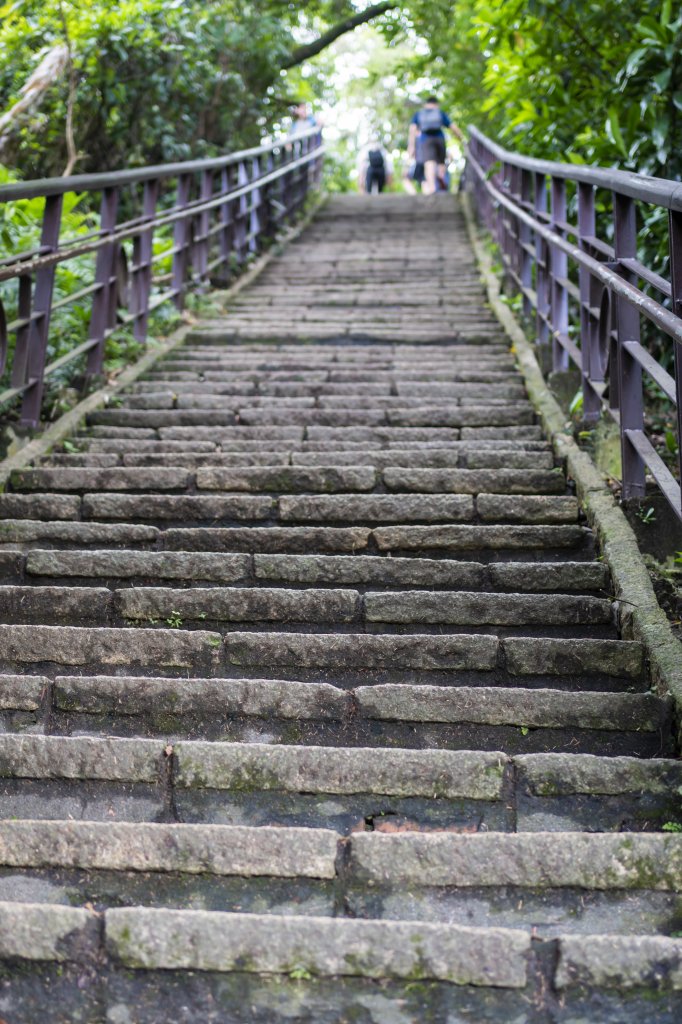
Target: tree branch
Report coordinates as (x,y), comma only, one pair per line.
(303,53)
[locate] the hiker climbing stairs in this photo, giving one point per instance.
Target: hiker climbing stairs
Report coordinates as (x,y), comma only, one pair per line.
(314,704)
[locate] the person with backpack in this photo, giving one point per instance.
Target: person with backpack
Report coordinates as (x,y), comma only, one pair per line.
(427,125)
(375,167)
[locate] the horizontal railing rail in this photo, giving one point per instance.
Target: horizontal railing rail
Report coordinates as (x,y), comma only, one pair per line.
(199,220)
(592,319)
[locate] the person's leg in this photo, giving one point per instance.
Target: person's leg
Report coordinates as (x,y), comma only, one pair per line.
(430,170)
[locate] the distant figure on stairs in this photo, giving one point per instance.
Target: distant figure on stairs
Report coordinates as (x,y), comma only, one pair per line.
(375,167)
(427,126)
(303,120)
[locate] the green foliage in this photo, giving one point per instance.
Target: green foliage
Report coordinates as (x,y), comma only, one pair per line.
(155,80)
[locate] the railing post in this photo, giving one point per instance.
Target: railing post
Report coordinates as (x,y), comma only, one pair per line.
(526,259)
(203,239)
(20,362)
(181,241)
(592,370)
(254,214)
(226,236)
(36,346)
(103,309)
(241,226)
(628,369)
(143,251)
(559,273)
(675,243)
(541,266)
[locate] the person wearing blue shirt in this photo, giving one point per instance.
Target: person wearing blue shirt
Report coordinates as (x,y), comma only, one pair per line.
(427,125)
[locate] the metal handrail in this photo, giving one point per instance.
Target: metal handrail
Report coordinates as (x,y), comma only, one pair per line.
(511,193)
(224,209)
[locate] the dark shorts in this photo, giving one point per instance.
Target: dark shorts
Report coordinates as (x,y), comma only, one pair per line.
(375,174)
(432,148)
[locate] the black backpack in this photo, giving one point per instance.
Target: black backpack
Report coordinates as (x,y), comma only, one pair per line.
(376,159)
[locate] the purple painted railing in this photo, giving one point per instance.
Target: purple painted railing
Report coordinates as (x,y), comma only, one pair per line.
(593,321)
(212,213)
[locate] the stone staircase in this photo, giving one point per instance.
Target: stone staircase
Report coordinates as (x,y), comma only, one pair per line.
(313,701)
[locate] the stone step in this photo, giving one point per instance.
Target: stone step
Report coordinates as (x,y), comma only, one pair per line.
(485,541)
(111,779)
(437,878)
(484,415)
(405,656)
(172,649)
(22,532)
(360,570)
(226,605)
(421,715)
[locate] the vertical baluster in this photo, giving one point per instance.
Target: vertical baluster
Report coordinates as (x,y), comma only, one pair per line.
(525,257)
(676,284)
(203,243)
(20,361)
(559,273)
(105,278)
(143,251)
(628,369)
(592,370)
(254,212)
(265,206)
(242,213)
(541,265)
(40,323)
(181,242)
(227,224)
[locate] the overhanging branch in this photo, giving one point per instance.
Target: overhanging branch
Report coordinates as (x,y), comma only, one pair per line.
(303,53)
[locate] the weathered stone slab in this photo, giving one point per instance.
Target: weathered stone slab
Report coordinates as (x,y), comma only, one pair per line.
(472,609)
(468,538)
(178,508)
(550,576)
(276,538)
(473,481)
(376,508)
(160,696)
(39,506)
(539,860)
(541,708)
(25,531)
(239,604)
(199,460)
(188,849)
(72,645)
(487,415)
(529,656)
(22,693)
(347,650)
(223,568)
(34,932)
(287,479)
(527,508)
(551,775)
(79,605)
(92,479)
(197,940)
(368,569)
(82,757)
(620,962)
(431,773)
(218,435)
